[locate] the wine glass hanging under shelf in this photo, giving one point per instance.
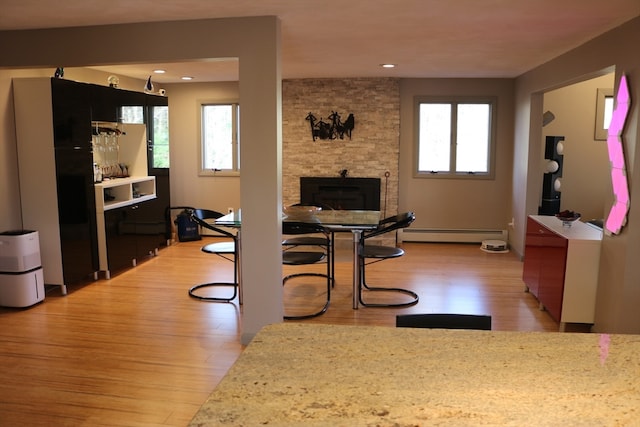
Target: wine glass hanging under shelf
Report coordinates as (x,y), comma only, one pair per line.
(106,150)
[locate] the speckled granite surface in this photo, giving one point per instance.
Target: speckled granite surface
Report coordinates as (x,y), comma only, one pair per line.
(325,375)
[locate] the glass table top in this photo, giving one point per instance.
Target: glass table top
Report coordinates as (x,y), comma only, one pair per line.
(348,219)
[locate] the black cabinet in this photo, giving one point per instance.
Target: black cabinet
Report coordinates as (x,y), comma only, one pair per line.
(53,129)
(137,230)
(71,113)
(76,213)
(131,235)
(74,179)
(104,104)
(58,196)
(120,238)
(107,103)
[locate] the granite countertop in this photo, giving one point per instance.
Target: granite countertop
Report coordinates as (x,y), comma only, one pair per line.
(327,375)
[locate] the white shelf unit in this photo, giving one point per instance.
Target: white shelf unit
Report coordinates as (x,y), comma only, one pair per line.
(126,191)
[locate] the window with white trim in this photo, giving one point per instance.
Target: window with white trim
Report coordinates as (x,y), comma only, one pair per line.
(455,137)
(220,142)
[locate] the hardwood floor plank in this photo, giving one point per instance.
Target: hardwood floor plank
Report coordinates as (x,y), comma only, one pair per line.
(136,350)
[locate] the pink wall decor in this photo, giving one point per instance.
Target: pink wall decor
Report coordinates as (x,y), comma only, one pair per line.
(618,214)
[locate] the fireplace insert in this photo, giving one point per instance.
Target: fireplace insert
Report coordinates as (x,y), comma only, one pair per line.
(341,193)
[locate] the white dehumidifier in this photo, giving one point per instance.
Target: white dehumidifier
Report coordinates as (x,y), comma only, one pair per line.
(21,278)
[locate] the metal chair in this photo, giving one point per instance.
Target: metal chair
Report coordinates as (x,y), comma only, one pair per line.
(227,250)
(444,321)
(296,256)
(319,241)
(378,253)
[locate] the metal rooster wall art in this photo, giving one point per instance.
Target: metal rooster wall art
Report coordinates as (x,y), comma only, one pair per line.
(333,129)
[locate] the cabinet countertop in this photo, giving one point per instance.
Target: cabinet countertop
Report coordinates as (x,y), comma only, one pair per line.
(318,375)
(577,231)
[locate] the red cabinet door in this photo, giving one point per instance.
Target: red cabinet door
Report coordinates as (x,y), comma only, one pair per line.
(531,269)
(552,270)
(544,266)
(533,254)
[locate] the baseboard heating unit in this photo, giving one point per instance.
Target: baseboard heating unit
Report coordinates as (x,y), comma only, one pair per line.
(436,235)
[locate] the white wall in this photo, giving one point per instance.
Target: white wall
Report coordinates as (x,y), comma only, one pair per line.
(187,187)
(457,203)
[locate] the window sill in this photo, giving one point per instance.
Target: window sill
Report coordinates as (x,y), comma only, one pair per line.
(228,173)
(447,175)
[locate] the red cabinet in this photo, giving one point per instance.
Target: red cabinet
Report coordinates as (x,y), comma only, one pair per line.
(545,258)
(561,267)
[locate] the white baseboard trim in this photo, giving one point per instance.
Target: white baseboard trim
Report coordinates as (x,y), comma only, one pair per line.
(450,235)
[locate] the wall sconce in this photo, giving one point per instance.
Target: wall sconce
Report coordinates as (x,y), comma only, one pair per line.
(547,118)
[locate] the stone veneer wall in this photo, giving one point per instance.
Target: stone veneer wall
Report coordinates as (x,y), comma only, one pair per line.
(373,148)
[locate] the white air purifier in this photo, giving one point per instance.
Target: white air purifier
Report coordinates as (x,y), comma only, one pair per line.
(21,277)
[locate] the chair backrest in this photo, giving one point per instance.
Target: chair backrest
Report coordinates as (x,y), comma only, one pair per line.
(444,321)
(205,214)
(391,223)
(201,215)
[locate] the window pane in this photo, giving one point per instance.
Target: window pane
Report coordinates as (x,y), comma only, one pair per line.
(435,137)
(132,114)
(160,150)
(237,127)
(472,148)
(608,111)
(217,123)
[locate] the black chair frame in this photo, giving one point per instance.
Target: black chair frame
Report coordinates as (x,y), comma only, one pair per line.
(380,253)
(292,242)
(227,250)
(444,321)
(293,256)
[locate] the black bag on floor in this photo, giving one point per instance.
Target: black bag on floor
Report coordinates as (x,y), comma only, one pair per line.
(188,229)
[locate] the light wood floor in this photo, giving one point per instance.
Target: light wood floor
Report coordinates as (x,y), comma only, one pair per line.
(137,351)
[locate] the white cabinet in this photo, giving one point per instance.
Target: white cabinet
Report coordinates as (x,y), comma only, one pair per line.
(561,266)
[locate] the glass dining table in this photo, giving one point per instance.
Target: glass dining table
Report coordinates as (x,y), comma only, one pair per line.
(355,221)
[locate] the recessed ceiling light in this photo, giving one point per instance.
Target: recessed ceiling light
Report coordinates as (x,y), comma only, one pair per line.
(159,71)
(388,65)
(186,78)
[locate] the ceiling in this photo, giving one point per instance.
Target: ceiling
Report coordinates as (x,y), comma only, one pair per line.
(351,38)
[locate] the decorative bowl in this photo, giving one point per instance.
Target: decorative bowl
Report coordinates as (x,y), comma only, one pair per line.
(300,212)
(567,217)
